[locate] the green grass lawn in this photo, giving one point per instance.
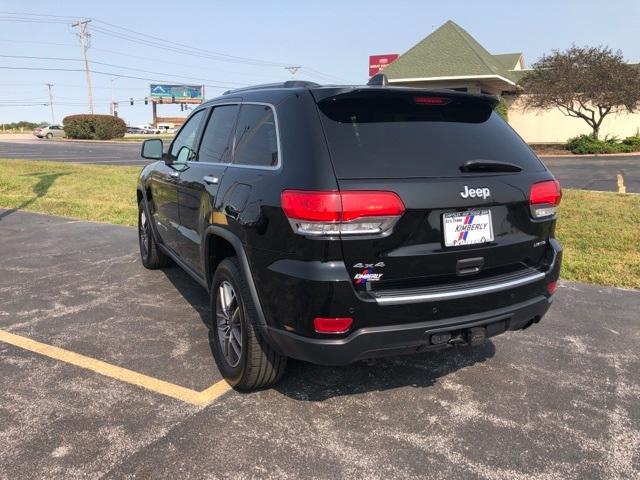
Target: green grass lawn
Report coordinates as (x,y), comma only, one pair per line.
(93,192)
(599,231)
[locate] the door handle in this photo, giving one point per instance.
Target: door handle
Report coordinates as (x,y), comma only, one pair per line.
(209,180)
(174,173)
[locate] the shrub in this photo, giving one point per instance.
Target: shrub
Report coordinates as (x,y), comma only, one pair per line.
(502,109)
(633,141)
(584,144)
(94,127)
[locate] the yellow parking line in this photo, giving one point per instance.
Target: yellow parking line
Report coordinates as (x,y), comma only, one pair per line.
(123,374)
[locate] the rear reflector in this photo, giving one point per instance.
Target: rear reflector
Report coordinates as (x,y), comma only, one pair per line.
(348,213)
(544,197)
(332,325)
(551,287)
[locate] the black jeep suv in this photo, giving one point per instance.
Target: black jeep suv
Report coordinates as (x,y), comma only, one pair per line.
(336,223)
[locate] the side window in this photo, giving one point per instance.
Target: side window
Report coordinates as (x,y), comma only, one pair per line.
(215,140)
(187,138)
(256,142)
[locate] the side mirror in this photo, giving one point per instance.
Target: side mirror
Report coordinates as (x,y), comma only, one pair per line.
(185,154)
(152,149)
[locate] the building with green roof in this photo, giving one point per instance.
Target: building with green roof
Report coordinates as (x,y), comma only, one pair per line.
(451,58)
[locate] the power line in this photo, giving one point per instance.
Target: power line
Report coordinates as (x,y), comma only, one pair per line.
(166,62)
(44,15)
(133,36)
(67,59)
(181,45)
(112,74)
(180,50)
(70,59)
(4,40)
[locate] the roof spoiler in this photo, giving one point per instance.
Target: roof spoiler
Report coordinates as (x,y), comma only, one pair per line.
(378,80)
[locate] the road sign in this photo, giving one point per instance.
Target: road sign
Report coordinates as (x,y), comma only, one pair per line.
(176,93)
(378,62)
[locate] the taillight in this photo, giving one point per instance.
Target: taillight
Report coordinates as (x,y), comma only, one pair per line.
(544,197)
(332,325)
(329,213)
(551,287)
(431,100)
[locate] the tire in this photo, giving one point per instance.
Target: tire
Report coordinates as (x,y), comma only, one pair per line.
(49,136)
(256,365)
(152,257)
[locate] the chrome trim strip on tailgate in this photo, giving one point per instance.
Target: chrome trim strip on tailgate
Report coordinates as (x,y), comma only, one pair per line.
(461,293)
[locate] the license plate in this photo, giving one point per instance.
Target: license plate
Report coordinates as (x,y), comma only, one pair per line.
(467,228)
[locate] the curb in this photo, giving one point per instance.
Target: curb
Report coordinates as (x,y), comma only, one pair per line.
(117,142)
(575,155)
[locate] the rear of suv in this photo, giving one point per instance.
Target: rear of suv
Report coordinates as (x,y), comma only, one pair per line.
(332,224)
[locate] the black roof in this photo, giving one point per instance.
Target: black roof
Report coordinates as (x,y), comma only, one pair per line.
(376,84)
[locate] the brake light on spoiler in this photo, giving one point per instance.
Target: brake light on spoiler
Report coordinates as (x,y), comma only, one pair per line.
(331,213)
(544,198)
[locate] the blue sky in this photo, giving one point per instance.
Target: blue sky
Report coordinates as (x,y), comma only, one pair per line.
(330,39)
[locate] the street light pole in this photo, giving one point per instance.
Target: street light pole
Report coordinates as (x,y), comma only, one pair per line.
(112,98)
(53,117)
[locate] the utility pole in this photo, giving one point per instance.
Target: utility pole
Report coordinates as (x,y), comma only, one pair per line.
(53,117)
(293,69)
(84,43)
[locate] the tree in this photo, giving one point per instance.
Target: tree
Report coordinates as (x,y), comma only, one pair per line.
(587,83)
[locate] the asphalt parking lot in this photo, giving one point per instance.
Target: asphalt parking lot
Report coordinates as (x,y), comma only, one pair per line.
(589,173)
(98,356)
(74,152)
(596,173)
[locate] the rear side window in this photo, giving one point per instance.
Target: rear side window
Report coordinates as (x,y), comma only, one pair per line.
(215,140)
(256,140)
(383,135)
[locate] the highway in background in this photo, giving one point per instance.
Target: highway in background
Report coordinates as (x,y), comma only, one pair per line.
(585,172)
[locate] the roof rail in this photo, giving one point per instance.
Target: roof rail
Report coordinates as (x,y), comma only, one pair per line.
(287,84)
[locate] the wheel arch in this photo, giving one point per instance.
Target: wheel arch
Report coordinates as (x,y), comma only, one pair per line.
(220,244)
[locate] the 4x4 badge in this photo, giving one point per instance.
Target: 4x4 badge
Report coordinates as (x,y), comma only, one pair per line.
(369,265)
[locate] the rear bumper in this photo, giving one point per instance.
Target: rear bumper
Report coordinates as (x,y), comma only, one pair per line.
(405,325)
(386,340)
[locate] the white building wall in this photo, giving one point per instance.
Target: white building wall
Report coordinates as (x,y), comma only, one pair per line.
(550,126)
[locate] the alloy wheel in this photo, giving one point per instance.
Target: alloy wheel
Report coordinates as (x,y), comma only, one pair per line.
(229,324)
(144,234)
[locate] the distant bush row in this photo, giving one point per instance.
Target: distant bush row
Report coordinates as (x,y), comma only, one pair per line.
(23,124)
(94,127)
(583,144)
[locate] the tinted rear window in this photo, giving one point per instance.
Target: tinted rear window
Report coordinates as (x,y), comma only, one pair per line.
(393,136)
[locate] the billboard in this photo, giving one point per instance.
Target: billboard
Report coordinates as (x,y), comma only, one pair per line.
(162,93)
(378,62)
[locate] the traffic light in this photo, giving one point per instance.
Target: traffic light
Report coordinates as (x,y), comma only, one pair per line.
(146,100)
(131,101)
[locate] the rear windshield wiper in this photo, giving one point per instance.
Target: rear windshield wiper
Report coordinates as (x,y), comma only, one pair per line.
(489,166)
